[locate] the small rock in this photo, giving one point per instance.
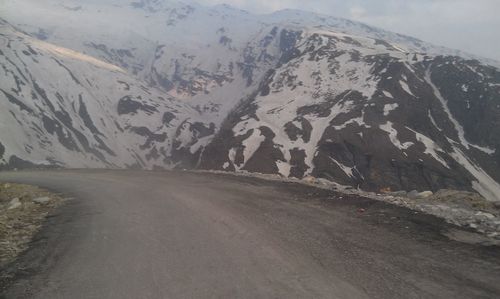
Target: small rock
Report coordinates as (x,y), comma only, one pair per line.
(493,234)
(6,186)
(385,190)
(41,200)
(425,194)
(413,194)
(361,210)
(399,193)
(472,225)
(14,204)
(485,215)
(309,179)
(324,182)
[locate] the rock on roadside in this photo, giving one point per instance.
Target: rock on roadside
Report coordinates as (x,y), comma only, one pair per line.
(23,209)
(41,200)
(14,204)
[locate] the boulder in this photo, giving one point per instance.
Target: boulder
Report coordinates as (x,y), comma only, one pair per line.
(413,194)
(41,200)
(14,204)
(309,179)
(425,194)
(484,215)
(398,193)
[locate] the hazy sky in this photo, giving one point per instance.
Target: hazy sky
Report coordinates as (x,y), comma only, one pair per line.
(469,25)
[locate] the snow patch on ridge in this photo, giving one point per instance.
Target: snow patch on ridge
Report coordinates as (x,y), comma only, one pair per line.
(388,94)
(406,88)
(454,121)
(431,148)
(484,184)
(347,170)
(389,107)
(393,136)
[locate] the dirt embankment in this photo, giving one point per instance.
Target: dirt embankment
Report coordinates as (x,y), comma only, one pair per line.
(23,209)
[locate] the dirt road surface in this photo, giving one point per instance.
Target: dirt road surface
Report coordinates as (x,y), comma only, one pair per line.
(134,234)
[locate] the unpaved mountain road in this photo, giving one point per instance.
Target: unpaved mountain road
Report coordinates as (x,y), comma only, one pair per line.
(133,234)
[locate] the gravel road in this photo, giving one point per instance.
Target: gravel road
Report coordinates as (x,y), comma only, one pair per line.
(134,234)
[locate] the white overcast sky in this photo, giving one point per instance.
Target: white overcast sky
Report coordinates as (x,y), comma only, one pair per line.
(469,25)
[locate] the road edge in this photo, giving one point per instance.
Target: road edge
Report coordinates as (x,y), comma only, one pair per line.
(45,248)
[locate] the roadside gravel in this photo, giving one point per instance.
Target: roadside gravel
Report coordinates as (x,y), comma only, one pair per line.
(23,209)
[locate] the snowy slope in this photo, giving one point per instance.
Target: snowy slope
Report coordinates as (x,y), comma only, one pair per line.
(170,84)
(62,107)
(359,111)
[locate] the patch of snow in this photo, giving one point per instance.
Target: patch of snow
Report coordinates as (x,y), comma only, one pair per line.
(431,148)
(345,169)
(433,121)
(201,143)
(389,107)
(393,136)
(406,88)
(388,94)
(283,168)
(456,124)
(485,184)
(399,48)
(252,144)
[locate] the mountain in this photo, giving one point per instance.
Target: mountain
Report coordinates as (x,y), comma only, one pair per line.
(167,84)
(61,107)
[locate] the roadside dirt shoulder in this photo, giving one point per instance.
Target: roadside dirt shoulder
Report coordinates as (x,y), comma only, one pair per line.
(23,209)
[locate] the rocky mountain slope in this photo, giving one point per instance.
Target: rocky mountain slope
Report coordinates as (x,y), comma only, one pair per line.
(352,109)
(293,93)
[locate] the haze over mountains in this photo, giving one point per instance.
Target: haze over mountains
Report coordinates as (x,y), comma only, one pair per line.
(163,84)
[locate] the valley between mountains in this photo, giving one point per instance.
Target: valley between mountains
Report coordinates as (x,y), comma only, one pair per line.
(169,85)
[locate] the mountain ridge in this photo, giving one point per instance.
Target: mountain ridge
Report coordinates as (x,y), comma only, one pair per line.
(232,91)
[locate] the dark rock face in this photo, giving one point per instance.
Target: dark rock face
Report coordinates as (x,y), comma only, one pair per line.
(15,162)
(288,41)
(127,105)
(473,97)
(265,157)
(151,137)
(87,120)
(2,150)
(187,136)
(15,101)
(167,118)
